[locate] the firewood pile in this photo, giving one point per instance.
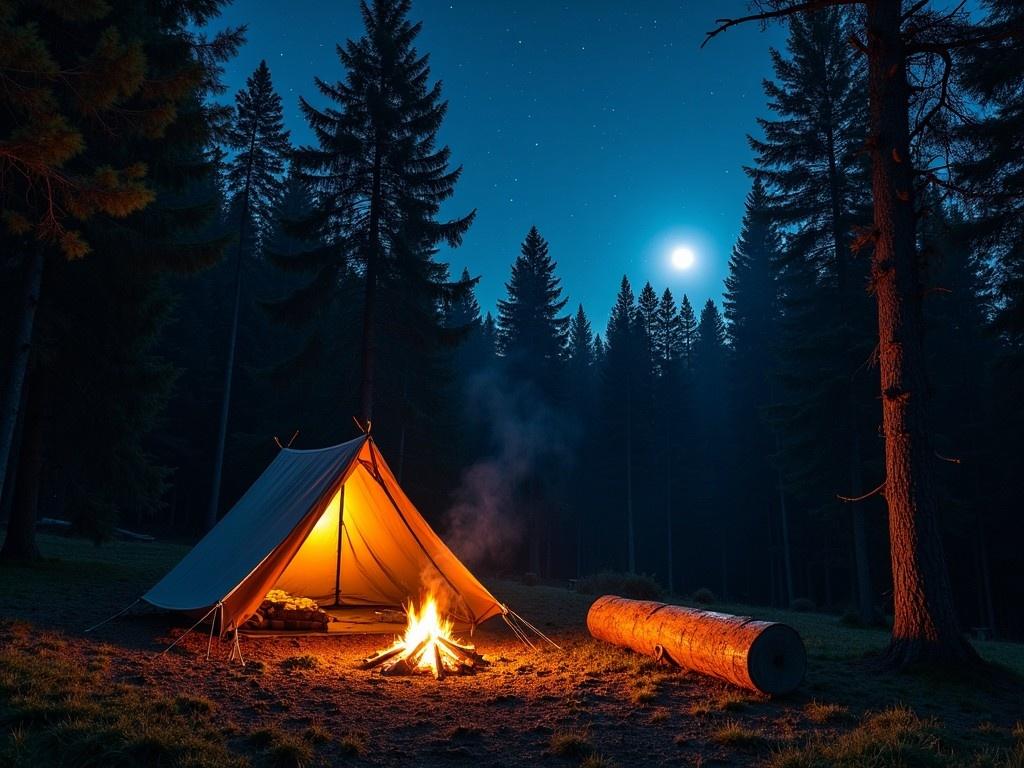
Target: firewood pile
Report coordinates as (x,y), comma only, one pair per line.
(281,611)
(434,654)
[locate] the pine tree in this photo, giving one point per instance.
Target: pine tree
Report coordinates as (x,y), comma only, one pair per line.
(379,180)
(992,168)
(991,171)
(812,161)
(667,334)
(906,114)
(687,332)
(80,206)
(623,354)
(580,364)
(647,317)
(710,427)
(532,340)
(531,332)
(254,183)
(580,347)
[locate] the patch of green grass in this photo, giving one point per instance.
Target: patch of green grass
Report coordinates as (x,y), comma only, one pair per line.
(193,706)
(821,712)
(317,734)
(644,692)
(597,761)
(352,745)
(288,752)
(734,734)
(660,715)
(895,736)
(574,742)
(305,661)
(53,705)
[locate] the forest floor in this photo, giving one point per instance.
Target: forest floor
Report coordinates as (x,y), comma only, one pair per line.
(109,698)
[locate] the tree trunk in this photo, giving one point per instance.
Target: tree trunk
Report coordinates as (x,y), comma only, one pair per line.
(19,363)
(757,655)
(213,510)
(670,574)
(20,543)
(369,349)
(925,627)
(225,408)
(630,538)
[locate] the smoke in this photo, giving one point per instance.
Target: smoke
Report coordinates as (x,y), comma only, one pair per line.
(484,525)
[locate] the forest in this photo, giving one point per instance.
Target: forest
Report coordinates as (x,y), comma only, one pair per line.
(183,290)
(746,495)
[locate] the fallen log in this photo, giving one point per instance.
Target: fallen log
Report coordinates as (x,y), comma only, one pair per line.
(758,655)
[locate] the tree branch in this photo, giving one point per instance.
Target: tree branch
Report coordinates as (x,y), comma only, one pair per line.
(867,495)
(778,13)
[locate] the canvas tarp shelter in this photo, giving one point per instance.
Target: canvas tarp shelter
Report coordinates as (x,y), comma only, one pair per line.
(330,524)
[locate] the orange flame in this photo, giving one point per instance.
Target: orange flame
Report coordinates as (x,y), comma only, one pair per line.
(427,625)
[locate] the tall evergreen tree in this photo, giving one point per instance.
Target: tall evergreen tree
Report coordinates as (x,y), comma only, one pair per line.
(710,428)
(751,314)
(581,379)
(992,166)
(670,397)
(687,332)
(254,183)
(532,340)
(379,180)
(623,356)
(71,148)
(812,161)
(906,113)
(531,330)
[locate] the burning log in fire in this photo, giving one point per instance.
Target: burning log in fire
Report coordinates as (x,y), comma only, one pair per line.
(426,646)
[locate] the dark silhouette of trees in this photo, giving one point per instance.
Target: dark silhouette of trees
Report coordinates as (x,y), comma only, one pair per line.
(253,178)
(379,180)
(102,126)
(899,42)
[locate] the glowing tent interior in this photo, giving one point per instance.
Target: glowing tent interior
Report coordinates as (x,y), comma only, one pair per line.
(332,525)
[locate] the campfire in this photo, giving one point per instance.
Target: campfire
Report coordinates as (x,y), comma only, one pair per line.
(426,646)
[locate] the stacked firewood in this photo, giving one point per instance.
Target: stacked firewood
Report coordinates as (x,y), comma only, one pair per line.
(436,655)
(284,612)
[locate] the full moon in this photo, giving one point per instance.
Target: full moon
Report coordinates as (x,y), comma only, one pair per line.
(683,257)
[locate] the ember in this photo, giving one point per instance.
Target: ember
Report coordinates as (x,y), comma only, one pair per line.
(426,646)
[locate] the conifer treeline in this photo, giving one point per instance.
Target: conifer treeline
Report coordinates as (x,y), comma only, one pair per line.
(719,447)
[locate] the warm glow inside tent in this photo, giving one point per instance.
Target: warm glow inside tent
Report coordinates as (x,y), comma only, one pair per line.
(329,524)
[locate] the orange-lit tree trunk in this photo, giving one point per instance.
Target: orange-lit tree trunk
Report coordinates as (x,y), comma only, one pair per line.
(925,628)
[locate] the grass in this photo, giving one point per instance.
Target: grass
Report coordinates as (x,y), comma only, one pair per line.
(61,695)
(50,704)
(734,734)
(573,742)
(821,712)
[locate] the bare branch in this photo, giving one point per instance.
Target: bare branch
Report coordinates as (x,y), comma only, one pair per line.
(778,13)
(867,495)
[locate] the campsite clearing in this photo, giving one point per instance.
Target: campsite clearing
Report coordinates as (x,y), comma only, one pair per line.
(111,699)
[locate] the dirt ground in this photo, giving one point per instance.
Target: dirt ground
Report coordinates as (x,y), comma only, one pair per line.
(585,703)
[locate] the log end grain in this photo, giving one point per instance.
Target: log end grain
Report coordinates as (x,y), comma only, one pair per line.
(777,660)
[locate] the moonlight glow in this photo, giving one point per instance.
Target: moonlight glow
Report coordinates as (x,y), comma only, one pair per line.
(683,258)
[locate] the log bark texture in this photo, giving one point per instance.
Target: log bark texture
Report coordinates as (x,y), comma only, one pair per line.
(761,656)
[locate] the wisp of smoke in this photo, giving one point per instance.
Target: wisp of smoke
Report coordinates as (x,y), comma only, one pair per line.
(483,525)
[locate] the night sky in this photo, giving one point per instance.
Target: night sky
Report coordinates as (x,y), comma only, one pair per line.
(601,122)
